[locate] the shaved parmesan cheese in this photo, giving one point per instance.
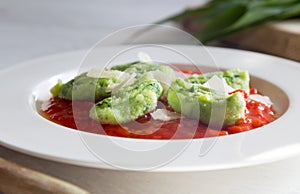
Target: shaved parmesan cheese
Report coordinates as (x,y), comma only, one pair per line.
(45,105)
(259,98)
(164,115)
(218,84)
(98,73)
(144,57)
(126,80)
(163,78)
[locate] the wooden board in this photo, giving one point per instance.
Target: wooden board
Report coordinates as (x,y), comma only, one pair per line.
(278,38)
(18,179)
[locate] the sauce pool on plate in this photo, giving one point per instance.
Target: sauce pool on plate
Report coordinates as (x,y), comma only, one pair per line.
(75,115)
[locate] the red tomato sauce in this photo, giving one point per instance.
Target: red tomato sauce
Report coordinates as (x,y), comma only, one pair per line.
(75,115)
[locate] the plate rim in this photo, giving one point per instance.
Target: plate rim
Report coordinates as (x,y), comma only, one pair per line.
(91,164)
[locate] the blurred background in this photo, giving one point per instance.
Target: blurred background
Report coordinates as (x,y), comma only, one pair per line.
(35,28)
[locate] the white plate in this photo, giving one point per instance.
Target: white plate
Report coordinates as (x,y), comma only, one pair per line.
(24,130)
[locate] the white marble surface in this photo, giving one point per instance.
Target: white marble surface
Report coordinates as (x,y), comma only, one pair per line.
(35,28)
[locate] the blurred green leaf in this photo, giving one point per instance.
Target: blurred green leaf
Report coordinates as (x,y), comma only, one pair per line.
(227,18)
(219,18)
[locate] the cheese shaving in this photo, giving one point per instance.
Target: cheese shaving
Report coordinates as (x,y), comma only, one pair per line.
(126,80)
(164,115)
(98,73)
(218,84)
(259,98)
(144,57)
